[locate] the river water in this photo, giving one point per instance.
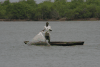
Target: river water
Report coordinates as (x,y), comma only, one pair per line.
(14,53)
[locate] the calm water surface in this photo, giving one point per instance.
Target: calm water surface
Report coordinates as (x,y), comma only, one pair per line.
(14,53)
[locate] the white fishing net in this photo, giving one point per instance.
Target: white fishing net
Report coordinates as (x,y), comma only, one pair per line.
(39,39)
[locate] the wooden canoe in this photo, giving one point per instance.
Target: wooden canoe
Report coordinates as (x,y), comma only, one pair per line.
(60,43)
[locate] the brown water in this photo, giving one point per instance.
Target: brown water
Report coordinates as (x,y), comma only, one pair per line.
(14,53)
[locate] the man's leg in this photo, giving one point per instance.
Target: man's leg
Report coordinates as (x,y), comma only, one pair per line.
(45,39)
(48,39)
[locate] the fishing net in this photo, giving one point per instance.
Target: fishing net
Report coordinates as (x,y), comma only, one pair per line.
(39,39)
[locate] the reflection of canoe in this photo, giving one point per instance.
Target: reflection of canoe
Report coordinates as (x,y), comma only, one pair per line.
(59,43)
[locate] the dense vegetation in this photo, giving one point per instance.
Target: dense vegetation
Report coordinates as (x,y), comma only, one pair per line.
(76,9)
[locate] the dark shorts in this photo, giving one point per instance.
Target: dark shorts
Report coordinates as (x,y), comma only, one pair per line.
(47,37)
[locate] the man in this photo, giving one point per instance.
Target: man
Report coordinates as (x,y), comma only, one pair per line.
(47,30)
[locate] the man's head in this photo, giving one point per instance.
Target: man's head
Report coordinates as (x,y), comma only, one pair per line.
(47,23)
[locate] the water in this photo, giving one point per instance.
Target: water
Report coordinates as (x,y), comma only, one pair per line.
(14,53)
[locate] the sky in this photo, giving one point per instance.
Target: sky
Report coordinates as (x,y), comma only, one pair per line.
(37,1)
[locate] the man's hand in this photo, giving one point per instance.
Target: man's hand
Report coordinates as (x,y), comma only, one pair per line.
(50,30)
(42,30)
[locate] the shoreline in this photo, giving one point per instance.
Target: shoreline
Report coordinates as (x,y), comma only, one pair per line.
(61,19)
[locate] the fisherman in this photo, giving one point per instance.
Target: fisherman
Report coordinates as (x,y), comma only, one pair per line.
(47,30)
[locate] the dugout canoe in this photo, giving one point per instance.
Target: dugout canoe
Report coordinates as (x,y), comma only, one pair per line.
(60,43)
(71,43)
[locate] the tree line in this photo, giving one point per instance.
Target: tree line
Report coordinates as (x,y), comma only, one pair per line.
(76,9)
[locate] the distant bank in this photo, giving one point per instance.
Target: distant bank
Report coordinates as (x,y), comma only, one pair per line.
(62,19)
(59,10)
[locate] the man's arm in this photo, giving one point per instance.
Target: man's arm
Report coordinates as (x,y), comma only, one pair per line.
(50,29)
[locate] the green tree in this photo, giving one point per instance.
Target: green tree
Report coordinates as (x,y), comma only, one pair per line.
(92,9)
(2,12)
(61,0)
(77,0)
(76,9)
(97,13)
(32,3)
(44,10)
(96,2)
(6,2)
(18,11)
